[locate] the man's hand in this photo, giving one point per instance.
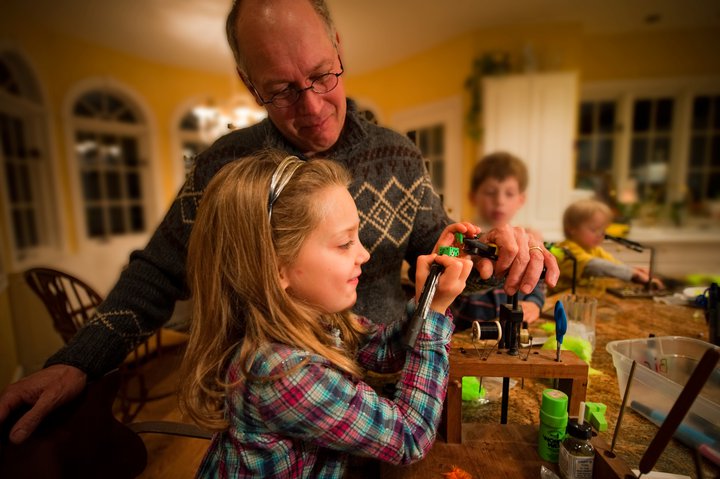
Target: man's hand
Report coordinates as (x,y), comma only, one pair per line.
(46,390)
(520,257)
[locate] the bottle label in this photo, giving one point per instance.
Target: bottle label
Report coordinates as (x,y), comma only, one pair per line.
(575,467)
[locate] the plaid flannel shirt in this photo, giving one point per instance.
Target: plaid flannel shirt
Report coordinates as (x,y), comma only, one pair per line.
(305,423)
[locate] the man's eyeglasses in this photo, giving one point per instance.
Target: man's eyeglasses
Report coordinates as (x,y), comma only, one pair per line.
(288,97)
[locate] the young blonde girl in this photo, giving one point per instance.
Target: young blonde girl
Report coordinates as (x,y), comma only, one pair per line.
(275,359)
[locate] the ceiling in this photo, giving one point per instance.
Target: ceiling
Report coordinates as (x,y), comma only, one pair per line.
(375,33)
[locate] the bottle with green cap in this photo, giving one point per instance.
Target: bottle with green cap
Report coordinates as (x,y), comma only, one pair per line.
(576,453)
(553,421)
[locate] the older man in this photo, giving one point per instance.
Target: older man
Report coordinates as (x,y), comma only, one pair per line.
(289,56)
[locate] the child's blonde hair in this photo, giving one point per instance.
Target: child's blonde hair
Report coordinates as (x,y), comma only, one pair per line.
(500,166)
(235,253)
(582,211)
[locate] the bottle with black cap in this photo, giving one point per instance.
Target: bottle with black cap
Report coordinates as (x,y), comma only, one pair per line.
(576,453)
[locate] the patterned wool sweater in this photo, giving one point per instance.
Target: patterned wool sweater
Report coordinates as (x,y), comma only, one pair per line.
(401,217)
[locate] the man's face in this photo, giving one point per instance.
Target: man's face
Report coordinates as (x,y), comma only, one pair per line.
(286,44)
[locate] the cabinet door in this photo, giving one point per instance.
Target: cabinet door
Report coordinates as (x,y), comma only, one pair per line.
(533,117)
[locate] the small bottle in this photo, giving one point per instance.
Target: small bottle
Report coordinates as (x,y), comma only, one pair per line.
(576,452)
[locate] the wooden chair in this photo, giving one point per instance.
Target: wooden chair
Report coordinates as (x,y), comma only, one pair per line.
(71,303)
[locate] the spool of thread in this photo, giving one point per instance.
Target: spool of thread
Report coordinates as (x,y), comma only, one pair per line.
(482,330)
(553,422)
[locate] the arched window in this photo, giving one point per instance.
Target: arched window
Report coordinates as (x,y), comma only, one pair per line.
(26,172)
(110,143)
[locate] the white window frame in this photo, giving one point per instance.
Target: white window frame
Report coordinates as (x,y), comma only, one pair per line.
(624,93)
(449,113)
(152,188)
(37,116)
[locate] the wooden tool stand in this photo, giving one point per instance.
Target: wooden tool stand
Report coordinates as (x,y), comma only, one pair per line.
(571,371)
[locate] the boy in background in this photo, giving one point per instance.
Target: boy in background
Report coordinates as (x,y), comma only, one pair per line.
(584,224)
(497,192)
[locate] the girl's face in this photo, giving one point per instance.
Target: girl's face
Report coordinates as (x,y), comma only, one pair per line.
(591,233)
(327,268)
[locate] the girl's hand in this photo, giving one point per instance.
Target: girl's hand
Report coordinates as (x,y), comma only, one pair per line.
(447,237)
(450,283)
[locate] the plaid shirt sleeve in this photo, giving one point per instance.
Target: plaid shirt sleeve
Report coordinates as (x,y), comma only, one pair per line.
(319,404)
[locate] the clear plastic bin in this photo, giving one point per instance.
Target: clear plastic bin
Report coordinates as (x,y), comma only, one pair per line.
(664,364)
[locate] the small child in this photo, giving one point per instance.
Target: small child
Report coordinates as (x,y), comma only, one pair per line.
(275,357)
(584,224)
(497,192)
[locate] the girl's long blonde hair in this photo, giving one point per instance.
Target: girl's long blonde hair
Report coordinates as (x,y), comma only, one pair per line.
(234,258)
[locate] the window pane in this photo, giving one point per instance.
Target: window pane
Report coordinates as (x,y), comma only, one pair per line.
(661,150)
(695,186)
(113,105)
(20,149)
(12,182)
(604,159)
(664,114)
(438,137)
(21,240)
(24,179)
(137,218)
(91,185)
(697,151)
(117,222)
(641,115)
(584,155)
(715,154)
(713,187)
(112,185)
(638,153)
(95,222)
(132,182)
(424,141)
(701,113)
(32,227)
(586,118)
(130,151)
(606,118)
(110,151)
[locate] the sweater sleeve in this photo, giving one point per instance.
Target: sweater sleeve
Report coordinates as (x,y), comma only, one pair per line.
(319,404)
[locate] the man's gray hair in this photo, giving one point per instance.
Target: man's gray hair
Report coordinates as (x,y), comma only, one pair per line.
(319,6)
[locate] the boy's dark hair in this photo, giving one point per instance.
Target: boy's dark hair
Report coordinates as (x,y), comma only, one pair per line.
(500,166)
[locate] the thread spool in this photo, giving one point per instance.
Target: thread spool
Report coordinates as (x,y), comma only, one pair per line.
(482,330)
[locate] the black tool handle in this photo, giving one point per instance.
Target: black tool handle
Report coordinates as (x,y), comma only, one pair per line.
(421,311)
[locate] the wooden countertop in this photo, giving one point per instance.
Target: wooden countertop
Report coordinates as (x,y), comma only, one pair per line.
(616,319)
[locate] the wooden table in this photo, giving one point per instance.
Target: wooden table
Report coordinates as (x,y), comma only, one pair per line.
(616,319)
(498,451)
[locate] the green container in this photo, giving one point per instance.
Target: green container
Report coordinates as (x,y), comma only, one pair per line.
(553,422)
